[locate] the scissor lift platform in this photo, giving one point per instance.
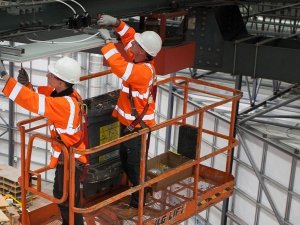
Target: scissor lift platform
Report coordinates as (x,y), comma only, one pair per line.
(171,205)
(174,204)
(179,200)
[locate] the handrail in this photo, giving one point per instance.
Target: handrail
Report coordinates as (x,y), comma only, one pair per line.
(26,173)
(44,169)
(25,161)
(147,183)
(69,160)
(154,128)
(28,121)
(93,75)
(232,142)
(200,82)
(153,180)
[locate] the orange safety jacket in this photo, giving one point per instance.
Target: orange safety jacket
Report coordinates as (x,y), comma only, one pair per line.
(63,114)
(138,76)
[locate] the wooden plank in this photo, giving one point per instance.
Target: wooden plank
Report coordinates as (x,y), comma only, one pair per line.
(9,172)
(9,181)
(12,210)
(3,217)
(3,202)
(10,188)
(13,215)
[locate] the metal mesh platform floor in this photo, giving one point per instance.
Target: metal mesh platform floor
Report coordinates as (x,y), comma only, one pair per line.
(170,199)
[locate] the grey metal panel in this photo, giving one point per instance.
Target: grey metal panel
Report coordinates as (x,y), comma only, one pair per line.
(127,8)
(19,16)
(39,50)
(209,41)
(279,63)
(245,54)
(242,54)
(39,15)
(272,62)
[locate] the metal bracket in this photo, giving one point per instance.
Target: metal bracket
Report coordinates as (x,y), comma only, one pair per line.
(12,50)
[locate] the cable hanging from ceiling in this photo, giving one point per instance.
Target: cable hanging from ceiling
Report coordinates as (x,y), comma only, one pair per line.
(75,16)
(79,5)
(67,5)
(63,42)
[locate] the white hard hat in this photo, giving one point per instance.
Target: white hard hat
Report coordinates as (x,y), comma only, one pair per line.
(67,69)
(149,41)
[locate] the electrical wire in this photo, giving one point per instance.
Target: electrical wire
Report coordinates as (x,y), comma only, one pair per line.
(79,5)
(67,5)
(62,42)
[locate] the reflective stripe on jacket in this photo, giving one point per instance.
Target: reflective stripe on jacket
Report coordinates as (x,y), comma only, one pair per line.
(138,76)
(62,112)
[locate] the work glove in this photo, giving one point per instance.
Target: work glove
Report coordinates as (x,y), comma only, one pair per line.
(107,20)
(104,34)
(2,69)
(23,77)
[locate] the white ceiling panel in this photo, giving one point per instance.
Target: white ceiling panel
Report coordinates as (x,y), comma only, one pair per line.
(52,47)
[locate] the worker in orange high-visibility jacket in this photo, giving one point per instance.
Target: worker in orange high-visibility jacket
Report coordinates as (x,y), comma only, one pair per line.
(138,76)
(61,105)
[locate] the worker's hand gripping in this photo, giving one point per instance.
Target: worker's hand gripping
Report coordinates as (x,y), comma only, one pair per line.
(23,77)
(104,33)
(2,69)
(107,20)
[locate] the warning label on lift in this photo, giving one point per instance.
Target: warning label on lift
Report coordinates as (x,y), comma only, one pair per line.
(109,132)
(170,216)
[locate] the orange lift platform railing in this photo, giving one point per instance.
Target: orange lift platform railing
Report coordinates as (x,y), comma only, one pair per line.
(178,193)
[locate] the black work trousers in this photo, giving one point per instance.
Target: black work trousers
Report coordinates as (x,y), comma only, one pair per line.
(130,154)
(58,192)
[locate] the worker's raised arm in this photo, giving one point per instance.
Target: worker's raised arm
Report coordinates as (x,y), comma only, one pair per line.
(107,20)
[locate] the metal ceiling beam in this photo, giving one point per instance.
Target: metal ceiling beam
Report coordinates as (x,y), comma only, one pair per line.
(274,142)
(252,116)
(276,9)
(271,98)
(224,45)
(280,116)
(281,125)
(40,15)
